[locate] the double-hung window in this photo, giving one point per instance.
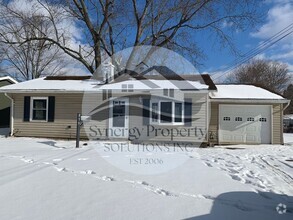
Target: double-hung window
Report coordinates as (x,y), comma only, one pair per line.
(155,112)
(178,112)
(167,112)
(39,109)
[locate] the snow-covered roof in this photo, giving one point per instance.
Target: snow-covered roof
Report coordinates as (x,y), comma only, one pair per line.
(239,92)
(151,84)
(8,78)
(49,85)
(90,85)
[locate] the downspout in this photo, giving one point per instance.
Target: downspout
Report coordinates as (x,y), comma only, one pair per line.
(282,125)
(208,118)
(288,103)
(11,114)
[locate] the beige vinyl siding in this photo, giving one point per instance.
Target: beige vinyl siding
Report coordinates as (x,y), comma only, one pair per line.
(214,122)
(277,123)
(5,83)
(68,105)
(277,129)
(135,111)
(199,111)
(4,101)
(64,126)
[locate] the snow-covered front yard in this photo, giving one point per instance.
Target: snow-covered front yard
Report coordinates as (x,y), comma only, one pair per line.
(50,179)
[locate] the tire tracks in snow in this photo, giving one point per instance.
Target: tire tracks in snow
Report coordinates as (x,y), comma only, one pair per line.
(286,177)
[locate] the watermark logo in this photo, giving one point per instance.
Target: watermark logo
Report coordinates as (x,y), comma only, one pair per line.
(147,112)
(281,208)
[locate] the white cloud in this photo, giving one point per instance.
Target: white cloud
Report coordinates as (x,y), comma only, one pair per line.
(279,17)
(65,24)
(287,56)
(261,56)
(290,67)
(277,1)
(227,24)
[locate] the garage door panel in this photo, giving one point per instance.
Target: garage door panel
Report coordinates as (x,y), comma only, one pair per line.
(251,128)
(227,137)
(238,138)
(245,123)
(251,138)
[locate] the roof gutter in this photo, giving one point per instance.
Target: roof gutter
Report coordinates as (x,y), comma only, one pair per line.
(11,114)
(286,106)
(238,101)
(100,90)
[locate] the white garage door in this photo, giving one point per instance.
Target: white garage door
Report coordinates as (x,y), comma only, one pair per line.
(245,124)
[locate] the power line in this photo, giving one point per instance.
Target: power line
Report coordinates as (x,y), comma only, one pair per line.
(262,47)
(252,53)
(258,52)
(264,43)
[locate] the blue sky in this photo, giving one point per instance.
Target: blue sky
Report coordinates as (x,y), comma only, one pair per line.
(279,14)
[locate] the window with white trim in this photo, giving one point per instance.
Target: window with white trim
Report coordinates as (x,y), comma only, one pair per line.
(167,112)
(39,109)
(155,109)
(165,92)
(250,119)
(178,112)
(127,87)
(226,118)
(263,119)
(238,118)
(169,92)
(166,109)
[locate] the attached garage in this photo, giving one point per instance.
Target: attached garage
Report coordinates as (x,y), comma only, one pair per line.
(245,124)
(246,114)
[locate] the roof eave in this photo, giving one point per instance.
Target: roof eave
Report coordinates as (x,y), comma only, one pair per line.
(8,78)
(18,91)
(233,100)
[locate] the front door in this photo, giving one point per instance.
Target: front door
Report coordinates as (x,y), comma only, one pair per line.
(118,121)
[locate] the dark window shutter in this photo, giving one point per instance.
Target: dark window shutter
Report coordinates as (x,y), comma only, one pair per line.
(109,93)
(51,109)
(26,109)
(187,112)
(146,111)
(104,94)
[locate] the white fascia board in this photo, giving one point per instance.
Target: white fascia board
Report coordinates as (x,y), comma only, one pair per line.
(262,101)
(11,91)
(13,81)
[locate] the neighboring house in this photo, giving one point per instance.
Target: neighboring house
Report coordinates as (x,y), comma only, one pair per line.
(5,102)
(188,108)
(288,123)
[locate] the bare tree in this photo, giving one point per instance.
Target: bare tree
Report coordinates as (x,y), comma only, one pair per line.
(112,25)
(30,59)
(268,74)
